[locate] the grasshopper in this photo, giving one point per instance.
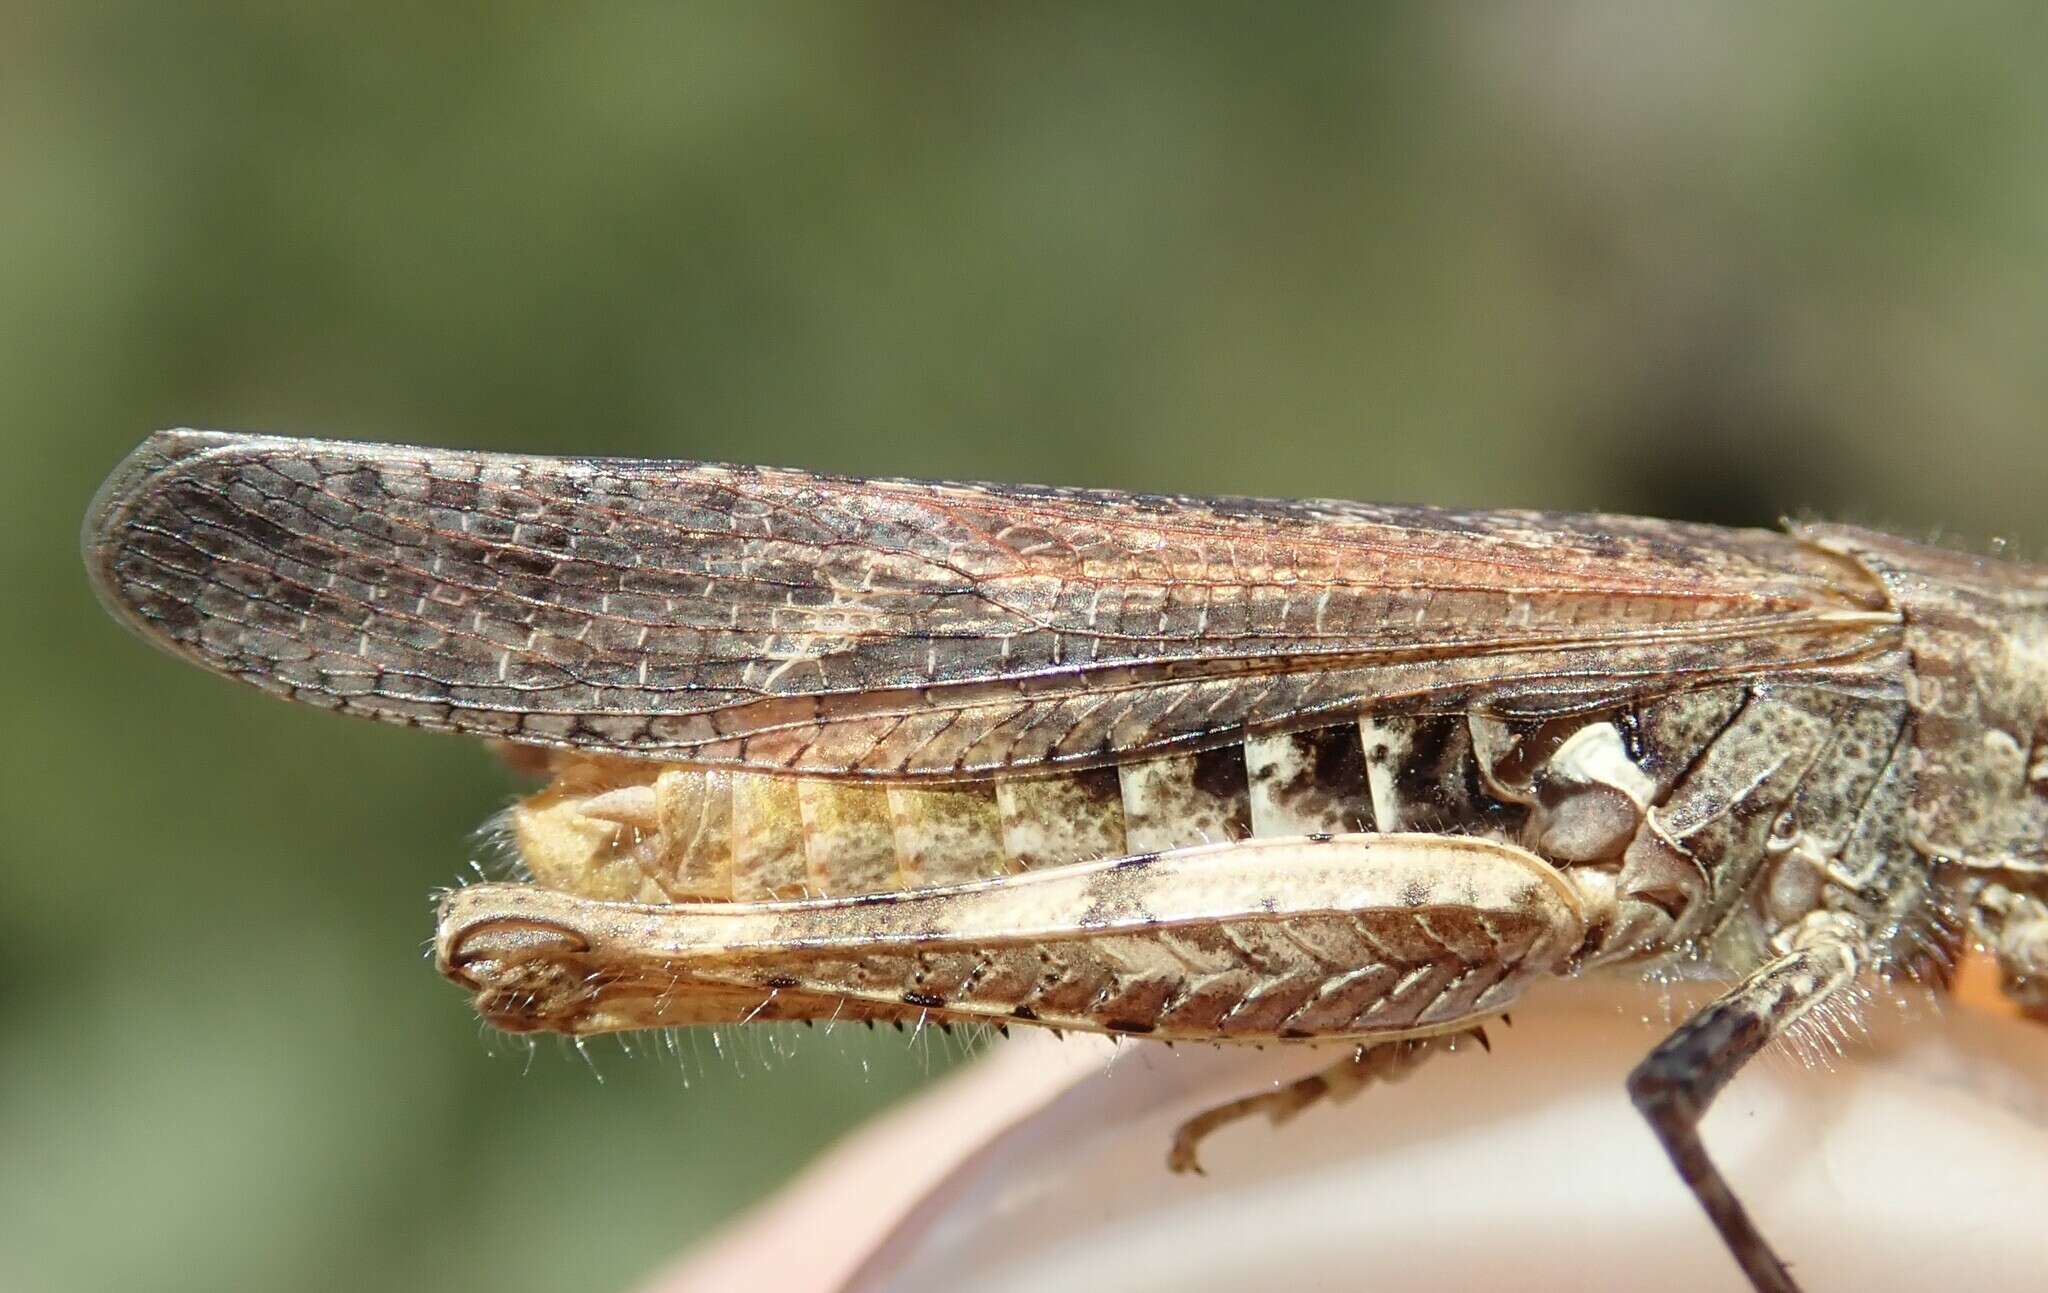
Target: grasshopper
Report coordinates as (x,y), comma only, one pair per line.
(1189,769)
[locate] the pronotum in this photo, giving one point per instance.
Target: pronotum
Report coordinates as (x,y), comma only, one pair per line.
(1206,769)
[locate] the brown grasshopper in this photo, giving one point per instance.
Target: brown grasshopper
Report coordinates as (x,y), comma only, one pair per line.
(1202,769)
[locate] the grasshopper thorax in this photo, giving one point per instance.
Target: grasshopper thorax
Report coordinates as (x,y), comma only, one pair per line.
(1976,640)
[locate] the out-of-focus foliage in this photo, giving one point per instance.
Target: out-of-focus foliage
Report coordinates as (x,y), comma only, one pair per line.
(1716,262)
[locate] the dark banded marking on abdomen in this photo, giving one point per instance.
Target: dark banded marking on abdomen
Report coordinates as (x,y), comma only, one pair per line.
(1311,782)
(1186,800)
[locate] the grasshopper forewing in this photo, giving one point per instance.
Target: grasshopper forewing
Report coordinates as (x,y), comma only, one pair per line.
(1209,769)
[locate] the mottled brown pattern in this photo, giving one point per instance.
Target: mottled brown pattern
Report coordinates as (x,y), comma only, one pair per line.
(1673,730)
(849,840)
(1789,780)
(1423,775)
(768,840)
(1308,782)
(779,620)
(948,834)
(1372,936)
(1978,631)
(1061,818)
(945,715)
(906,631)
(1193,799)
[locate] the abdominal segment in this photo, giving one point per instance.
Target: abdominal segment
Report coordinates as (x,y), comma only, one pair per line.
(629,831)
(640,831)
(643,831)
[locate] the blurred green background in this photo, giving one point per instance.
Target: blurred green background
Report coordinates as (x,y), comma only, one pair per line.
(1714,262)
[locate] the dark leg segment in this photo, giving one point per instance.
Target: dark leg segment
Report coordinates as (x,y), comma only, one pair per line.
(1674,1087)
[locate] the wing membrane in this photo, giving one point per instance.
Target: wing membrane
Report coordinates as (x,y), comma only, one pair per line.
(784,620)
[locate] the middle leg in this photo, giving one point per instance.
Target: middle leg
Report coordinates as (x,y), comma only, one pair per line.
(1368,1063)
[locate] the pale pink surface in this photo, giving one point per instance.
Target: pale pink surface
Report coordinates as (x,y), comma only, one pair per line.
(1920,1160)
(816,1232)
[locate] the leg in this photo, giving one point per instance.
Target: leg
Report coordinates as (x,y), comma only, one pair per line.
(1675,1085)
(1380,1062)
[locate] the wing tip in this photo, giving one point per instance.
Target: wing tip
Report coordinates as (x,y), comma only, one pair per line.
(132,481)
